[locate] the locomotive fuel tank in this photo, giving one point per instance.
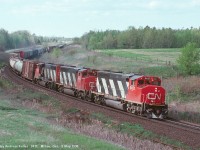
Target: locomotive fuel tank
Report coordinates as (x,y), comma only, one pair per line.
(69,92)
(115,104)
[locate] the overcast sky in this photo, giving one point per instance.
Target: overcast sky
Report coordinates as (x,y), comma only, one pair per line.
(70,18)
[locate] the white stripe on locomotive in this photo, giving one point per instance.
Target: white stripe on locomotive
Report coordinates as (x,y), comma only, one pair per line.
(121,89)
(69,77)
(98,86)
(61,78)
(113,87)
(45,73)
(127,83)
(65,79)
(74,79)
(48,76)
(51,73)
(54,73)
(105,85)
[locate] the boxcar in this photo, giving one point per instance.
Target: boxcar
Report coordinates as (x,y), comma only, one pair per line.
(28,70)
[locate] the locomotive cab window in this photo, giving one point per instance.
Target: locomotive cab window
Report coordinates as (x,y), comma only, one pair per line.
(84,74)
(147,81)
(140,82)
(156,83)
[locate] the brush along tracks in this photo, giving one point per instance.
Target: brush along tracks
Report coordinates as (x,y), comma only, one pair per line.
(186,133)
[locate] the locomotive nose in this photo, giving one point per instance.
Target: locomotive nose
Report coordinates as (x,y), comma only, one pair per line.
(154,95)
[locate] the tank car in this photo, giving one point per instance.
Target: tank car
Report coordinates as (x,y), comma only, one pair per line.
(16,64)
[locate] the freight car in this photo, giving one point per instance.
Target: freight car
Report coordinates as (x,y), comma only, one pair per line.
(16,64)
(29,52)
(137,94)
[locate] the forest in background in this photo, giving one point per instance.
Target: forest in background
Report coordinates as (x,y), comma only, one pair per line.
(21,39)
(137,38)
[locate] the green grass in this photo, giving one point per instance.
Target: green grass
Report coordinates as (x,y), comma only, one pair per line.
(29,128)
(157,62)
(102,118)
(4,84)
(42,98)
(149,55)
(187,116)
(164,50)
(2,64)
(126,54)
(137,130)
(162,71)
(72,110)
(143,61)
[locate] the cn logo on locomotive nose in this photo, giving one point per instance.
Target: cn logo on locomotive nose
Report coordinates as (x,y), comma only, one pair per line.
(153,96)
(92,84)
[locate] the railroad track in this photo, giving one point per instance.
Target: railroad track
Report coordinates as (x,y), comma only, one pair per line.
(180,127)
(184,124)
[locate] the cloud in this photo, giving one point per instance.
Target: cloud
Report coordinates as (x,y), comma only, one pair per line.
(98,8)
(41,7)
(154,4)
(52,6)
(195,2)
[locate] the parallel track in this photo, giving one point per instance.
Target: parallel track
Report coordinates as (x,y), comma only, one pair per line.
(175,125)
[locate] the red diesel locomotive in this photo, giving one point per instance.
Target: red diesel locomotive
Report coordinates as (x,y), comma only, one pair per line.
(138,94)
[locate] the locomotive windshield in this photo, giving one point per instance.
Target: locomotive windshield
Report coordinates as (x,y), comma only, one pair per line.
(148,81)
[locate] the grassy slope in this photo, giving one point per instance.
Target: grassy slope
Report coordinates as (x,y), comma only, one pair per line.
(25,127)
(20,126)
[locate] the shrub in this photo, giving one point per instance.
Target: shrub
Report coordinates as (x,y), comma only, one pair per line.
(189,59)
(56,52)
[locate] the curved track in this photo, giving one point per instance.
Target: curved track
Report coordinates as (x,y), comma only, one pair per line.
(187,133)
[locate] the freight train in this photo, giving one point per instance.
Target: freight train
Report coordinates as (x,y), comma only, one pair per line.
(29,52)
(134,93)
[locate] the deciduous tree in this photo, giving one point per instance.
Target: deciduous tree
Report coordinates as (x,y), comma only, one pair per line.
(189,59)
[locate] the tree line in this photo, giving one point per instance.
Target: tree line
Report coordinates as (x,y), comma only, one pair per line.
(21,39)
(136,38)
